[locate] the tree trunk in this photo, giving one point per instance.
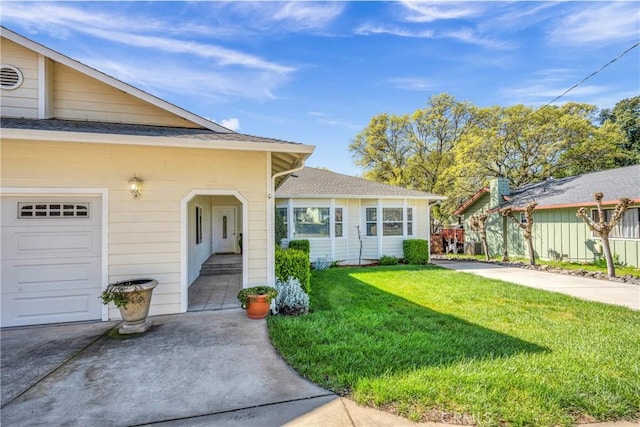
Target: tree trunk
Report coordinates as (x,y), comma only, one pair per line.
(532,255)
(611,271)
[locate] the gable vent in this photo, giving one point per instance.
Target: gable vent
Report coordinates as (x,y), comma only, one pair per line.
(10,77)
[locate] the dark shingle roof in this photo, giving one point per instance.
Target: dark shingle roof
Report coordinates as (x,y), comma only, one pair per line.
(312,182)
(613,183)
(131,129)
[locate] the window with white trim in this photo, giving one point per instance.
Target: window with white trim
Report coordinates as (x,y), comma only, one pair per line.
(409,221)
(392,219)
(371,221)
(198,225)
(338,222)
(27,210)
(282,213)
(311,222)
(627,228)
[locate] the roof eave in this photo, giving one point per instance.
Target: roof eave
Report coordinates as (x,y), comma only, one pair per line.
(163,141)
(591,204)
(355,196)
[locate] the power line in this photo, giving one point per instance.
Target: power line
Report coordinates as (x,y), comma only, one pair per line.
(592,74)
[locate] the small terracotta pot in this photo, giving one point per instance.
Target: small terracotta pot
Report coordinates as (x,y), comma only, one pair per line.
(258,306)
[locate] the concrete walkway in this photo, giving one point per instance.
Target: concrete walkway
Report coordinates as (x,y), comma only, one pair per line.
(608,292)
(194,369)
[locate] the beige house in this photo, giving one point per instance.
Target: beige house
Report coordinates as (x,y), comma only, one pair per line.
(73,142)
(329,208)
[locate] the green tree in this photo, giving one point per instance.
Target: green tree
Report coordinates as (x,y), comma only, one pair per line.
(528,145)
(626,114)
(413,150)
(383,149)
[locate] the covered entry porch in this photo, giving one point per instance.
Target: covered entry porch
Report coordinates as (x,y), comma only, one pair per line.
(218,284)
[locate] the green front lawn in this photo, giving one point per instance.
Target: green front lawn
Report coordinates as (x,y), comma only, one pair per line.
(436,345)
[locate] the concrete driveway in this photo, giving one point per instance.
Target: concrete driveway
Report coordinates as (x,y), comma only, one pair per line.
(616,293)
(194,369)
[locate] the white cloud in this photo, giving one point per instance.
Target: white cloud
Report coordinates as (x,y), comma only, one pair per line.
(372,29)
(434,11)
(222,55)
(181,79)
(61,21)
(295,16)
(598,23)
(470,36)
(307,15)
(232,123)
(464,35)
(180,66)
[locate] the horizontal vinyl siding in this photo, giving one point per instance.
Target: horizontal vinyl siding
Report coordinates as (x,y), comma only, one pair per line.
(369,248)
(320,247)
(392,246)
(341,250)
(144,234)
(80,97)
(23,101)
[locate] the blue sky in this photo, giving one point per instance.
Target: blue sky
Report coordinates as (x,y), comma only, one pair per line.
(316,72)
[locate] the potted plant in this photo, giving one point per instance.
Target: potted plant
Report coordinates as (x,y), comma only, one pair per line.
(133,298)
(257,300)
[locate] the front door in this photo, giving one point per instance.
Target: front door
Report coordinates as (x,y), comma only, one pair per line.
(224,230)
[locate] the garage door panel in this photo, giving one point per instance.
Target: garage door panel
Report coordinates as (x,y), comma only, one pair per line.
(51,260)
(49,307)
(40,242)
(41,275)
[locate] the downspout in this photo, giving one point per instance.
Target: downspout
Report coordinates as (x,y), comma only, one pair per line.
(271,243)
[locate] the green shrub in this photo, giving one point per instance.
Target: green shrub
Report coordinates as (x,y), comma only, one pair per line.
(388,260)
(416,251)
(301,245)
(293,263)
(601,261)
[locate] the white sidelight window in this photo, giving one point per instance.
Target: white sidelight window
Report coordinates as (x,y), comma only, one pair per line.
(371,221)
(338,222)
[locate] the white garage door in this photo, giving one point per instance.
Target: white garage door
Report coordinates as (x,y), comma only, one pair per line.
(51,259)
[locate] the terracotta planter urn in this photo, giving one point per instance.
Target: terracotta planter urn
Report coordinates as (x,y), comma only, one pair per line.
(258,306)
(133,299)
(257,300)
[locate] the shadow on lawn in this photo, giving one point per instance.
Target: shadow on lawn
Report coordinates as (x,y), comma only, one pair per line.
(357,330)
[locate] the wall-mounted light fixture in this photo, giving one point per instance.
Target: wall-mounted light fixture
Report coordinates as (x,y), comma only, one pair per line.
(135,185)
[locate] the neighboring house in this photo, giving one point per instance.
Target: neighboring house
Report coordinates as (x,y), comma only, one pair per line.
(326,208)
(557,232)
(72,139)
